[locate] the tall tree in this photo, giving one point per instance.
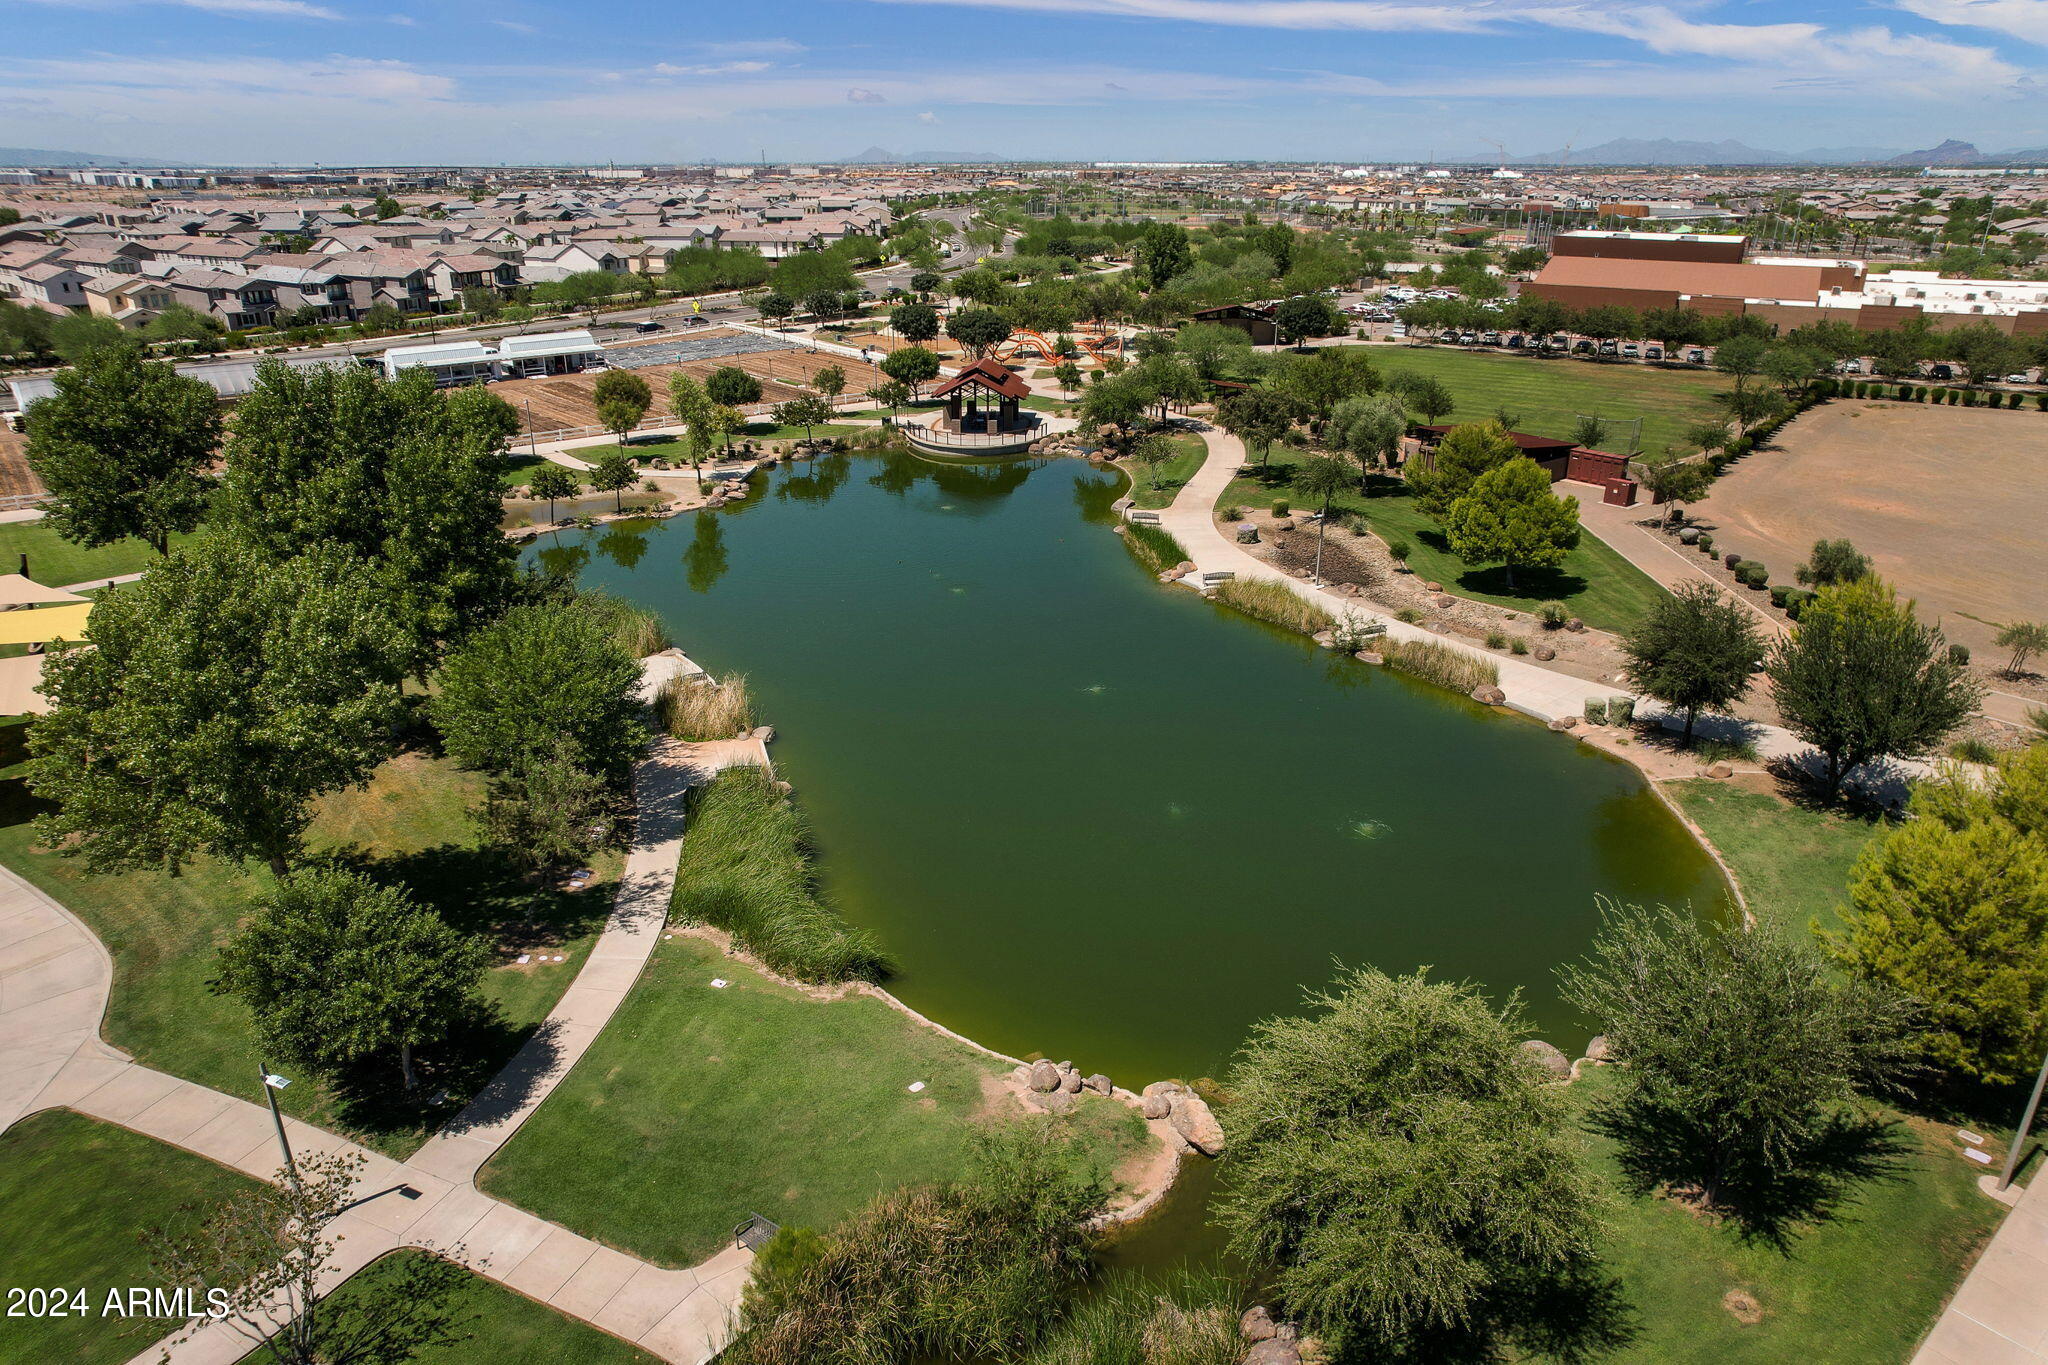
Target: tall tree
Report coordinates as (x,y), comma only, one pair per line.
(915,322)
(1695,650)
(1673,479)
(123,446)
(1951,907)
(1511,518)
(1297,319)
(614,472)
(732,386)
(1741,1054)
(553,482)
(1321,478)
(1439,478)
(1369,430)
(1162,251)
(980,330)
(1860,678)
(1257,416)
(338,969)
(808,412)
(622,399)
(830,382)
(223,692)
(542,674)
(1403,1175)
(911,365)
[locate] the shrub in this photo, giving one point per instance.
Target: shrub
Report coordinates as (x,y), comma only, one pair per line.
(1442,664)
(699,709)
(1959,655)
(1154,546)
(1795,602)
(1279,507)
(1518,645)
(1496,640)
(1231,513)
(746,868)
(2041,402)
(1357,525)
(1730,560)
(636,630)
(1355,632)
(1409,614)
(1751,572)
(1553,615)
(1780,592)
(1400,550)
(1973,751)
(1596,710)
(1621,710)
(1275,602)
(1183,1319)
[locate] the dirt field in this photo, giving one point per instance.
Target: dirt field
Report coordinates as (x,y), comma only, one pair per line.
(14,471)
(1949,503)
(562,402)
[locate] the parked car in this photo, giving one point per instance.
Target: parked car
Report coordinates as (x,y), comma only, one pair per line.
(1695,356)
(1582,347)
(1943,372)
(1490,339)
(1560,342)
(1397,331)
(1630,351)
(1608,347)
(2018,379)
(1514,341)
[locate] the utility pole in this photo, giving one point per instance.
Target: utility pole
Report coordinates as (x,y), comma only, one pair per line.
(2019,1139)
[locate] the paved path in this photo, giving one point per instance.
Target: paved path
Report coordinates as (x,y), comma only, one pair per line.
(1654,554)
(1529,688)
(55,978)
(2000,1315)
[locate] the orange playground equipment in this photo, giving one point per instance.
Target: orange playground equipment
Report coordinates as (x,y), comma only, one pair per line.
(1094,342)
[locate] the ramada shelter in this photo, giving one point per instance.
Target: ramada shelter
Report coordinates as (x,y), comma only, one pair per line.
(1561,459)
(516,357)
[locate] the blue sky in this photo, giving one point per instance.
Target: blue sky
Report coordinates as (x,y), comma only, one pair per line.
(357,81)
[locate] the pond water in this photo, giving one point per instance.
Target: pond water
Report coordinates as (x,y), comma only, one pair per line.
(1099,818)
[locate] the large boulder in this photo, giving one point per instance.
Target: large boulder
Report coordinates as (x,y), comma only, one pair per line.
(1058,1102)
(1548,1057)
(1191,1118)
(1545,653)
(1256,1324)
(1045,1077)
(1155,1106)
(1273,1351)
(1098,1083)
(1070,1082)
(1599,1049)
(1489,695)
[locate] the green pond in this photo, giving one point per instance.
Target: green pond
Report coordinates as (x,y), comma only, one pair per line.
(1103,819)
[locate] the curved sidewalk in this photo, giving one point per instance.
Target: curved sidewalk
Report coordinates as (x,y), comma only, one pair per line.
(55,980)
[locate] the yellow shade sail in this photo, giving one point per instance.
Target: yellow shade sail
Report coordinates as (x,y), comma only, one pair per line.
(40,625)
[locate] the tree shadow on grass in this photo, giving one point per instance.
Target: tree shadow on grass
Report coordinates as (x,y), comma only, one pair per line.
(1764,1201)
(1530,585)
(1574,1314)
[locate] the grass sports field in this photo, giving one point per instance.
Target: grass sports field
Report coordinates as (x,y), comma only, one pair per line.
(1547,397)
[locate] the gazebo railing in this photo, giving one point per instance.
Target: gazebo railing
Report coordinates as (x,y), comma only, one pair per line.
(967,440)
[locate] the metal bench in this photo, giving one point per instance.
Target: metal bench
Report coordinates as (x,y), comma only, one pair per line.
(754,1233)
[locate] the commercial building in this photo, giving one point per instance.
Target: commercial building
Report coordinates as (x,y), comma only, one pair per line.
(1716,275)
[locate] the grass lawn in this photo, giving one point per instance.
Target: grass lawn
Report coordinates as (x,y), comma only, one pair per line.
(710,1104)
(1547,397)
(1793,862)
(57,562)
(519,469)
(410,824)
(1863,1286)
(1594,581)
(1157,487)
(496,1323)
(771,431)
(78,1194)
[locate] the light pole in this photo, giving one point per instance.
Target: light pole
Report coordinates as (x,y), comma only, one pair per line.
(2019,1139)
(273,1083)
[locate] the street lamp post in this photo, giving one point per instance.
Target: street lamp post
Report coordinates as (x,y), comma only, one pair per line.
(2019,1139)
(273,1083)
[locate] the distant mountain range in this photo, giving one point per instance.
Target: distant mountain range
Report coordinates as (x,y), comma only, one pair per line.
(1664,151)
(882,156)
(39,157)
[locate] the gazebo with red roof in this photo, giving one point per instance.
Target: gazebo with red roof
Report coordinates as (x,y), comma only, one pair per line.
(985,398)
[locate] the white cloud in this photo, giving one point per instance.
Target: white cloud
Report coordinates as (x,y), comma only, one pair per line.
(713,69)
(927,117)
(337,77)
(1363,15)
(860,95)
(246,9)
(514,26)
(2023,19)
(783,47)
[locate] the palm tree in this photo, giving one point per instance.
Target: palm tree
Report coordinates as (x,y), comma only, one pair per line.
(1323,477)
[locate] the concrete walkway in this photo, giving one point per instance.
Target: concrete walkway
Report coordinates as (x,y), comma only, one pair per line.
(2000,1315)
(1529,688)
(1655,555)
(55,979)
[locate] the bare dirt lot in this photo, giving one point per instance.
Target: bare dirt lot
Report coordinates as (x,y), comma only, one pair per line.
(15,475)
(1951,504)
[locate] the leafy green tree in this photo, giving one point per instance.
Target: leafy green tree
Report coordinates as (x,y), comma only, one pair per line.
(1321,478)
(822,303)
(774,306)
(180,323)
(123,446)
(1121,401)
(732,386)
(830,382)
(925,281)
(1162,252)
(548,812)
(553,482)
(338,969)
(1430,398)
(916,322)
(980,330)
(543,672)
(622,399)
(1258,416)
(721,423)
(77,335)
(890,394)
(1297,319)
(2025,639)
(911,365)
(808,412)
(1742,1057)
(1673,479)
(1403,1176)
(1951,908)
(223,693)
(1369,430)
(24,331)
(1511,518)
(1860,678)
(1067,375)
(1695,650)
(1832,562)
(613,472)
(1439,478)
(1589,431)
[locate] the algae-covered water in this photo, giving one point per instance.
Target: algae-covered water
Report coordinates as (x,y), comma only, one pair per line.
(1102,819)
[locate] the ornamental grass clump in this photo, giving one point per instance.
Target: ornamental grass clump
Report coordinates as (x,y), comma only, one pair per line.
(747,868)
(699,709)
(636,630)
(1155,547)
(1274,602)
(1442,664)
